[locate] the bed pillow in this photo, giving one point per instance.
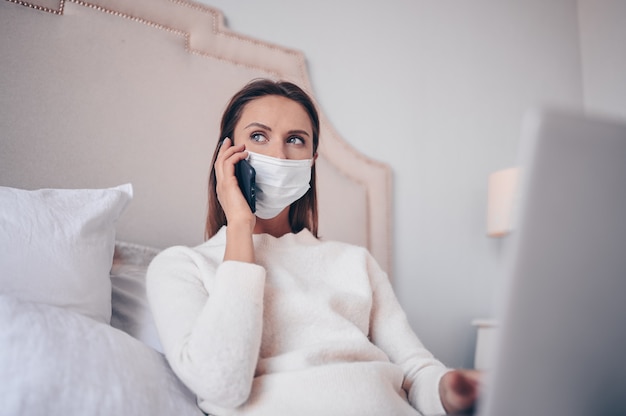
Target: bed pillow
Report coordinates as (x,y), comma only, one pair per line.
(56,246)
(57,362)
(131,311)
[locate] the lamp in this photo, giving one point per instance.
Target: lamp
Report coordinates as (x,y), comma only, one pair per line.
(501,194)
(502,191)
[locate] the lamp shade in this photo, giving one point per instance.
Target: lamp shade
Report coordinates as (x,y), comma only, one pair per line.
(502,191)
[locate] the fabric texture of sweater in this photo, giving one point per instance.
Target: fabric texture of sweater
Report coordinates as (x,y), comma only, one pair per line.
(313,328)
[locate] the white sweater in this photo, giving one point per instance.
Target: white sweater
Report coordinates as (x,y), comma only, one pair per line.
(313,328)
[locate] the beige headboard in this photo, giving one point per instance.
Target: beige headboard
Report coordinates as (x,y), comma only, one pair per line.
(104,92)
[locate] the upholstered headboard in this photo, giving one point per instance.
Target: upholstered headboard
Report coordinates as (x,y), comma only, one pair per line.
(104,92)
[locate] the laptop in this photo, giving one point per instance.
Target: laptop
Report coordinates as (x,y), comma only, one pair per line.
(560,349)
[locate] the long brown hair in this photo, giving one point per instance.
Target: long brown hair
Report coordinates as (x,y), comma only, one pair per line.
(303,212)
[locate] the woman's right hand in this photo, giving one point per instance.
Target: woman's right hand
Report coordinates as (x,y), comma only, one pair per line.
(239,217)
(228,193)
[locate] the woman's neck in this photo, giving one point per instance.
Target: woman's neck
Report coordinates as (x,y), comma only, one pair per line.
(276,227)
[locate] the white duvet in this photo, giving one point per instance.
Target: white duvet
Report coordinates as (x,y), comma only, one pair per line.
(57,362)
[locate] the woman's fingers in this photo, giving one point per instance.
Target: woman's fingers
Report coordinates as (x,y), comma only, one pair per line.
(459,390)
(228,193)
(227,157)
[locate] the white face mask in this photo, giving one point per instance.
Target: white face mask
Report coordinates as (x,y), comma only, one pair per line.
(279,182)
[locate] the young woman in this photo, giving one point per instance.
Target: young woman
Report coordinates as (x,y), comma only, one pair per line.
(266,319)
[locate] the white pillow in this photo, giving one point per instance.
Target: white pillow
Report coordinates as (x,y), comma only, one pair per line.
(56,362)
(131,311)
(56,246)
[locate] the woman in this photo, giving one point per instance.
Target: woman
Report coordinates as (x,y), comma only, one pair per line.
(266,319)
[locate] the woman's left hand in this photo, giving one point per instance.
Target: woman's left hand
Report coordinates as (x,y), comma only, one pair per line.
(459,390)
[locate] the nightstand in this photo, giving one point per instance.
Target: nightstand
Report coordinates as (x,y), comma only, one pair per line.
(485,337)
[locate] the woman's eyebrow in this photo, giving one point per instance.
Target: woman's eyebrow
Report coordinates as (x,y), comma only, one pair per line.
(268,128)
(257,124)
(302,132)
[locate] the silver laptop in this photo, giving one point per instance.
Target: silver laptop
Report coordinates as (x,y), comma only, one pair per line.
(561,344)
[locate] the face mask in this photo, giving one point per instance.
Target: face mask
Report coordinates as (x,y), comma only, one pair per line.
(279,182)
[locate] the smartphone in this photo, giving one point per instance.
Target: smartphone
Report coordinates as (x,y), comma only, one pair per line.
(246,176)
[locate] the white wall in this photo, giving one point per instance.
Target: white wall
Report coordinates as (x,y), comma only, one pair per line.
(603,47)
(436,89)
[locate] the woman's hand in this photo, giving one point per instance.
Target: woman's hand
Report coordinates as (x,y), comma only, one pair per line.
(239,217)
(459,390)
(228,193)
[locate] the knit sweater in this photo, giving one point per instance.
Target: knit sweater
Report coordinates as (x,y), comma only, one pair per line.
(313,328)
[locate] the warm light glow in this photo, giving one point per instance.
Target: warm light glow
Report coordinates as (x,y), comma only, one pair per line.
(502,190)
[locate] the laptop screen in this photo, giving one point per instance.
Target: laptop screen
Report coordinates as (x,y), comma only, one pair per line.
(561,344)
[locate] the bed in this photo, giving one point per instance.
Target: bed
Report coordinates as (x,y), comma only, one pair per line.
(110,113)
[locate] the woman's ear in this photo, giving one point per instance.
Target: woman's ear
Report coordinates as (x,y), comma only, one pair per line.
(314,158)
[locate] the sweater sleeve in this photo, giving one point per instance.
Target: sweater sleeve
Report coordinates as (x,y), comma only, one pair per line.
(390,331)
(210,332)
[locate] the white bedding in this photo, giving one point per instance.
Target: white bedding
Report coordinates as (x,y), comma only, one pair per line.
(62,276)
(130,310)
(55,361)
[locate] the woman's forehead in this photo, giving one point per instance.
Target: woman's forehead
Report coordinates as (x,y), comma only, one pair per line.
(276,112)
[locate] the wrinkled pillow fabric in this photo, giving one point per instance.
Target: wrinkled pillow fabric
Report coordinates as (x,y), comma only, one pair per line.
(131,311)
(56,362)
(56,246)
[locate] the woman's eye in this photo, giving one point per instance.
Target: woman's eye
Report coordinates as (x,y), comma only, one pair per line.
(258,137)
(295,140)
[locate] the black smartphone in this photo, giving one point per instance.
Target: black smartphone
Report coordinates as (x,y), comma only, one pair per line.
(246,176)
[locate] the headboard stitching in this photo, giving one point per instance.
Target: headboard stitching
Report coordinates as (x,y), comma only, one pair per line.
(41,8)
